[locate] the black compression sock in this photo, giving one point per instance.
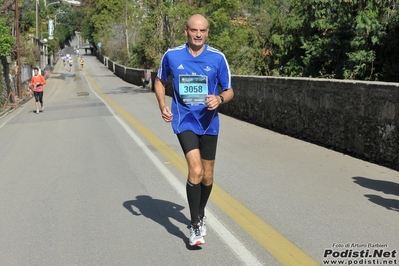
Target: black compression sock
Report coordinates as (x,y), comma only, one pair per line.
(205,193)
(193,197)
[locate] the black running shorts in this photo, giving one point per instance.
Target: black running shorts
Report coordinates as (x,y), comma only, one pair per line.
(205,143)
(38,96)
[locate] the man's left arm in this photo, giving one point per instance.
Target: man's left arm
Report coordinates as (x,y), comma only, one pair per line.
(213,101)
(224,76)
(226,96)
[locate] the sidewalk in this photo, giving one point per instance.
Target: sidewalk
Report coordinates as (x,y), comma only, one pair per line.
(4,111)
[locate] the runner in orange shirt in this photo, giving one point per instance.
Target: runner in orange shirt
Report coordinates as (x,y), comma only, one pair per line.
(37,84)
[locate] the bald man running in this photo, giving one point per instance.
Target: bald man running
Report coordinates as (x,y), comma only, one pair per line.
(201,82)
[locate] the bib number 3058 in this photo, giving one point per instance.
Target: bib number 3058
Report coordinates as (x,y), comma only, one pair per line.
(193,89)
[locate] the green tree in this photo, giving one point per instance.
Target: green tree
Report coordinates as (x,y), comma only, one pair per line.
(7,42)
(105,18)
(254,56)
(162,25)
(346,39)
(6,49)
(333,39)
(387,49)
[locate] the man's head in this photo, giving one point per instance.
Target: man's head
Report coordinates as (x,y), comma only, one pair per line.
(196,31)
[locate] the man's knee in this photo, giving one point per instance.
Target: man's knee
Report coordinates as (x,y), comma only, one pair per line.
(196,172)
(207,180)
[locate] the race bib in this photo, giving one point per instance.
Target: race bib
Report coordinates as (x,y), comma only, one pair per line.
(193,89)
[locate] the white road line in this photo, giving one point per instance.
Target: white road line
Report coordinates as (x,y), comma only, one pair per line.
(225,234)
(12,110)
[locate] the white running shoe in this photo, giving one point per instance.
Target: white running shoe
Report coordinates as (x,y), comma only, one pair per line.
(202,226)
(42,108)
(37,111)
(195,236)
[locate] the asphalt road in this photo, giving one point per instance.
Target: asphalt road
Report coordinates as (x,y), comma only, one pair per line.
(98,178)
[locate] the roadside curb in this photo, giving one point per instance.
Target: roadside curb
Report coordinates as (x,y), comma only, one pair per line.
(6,111)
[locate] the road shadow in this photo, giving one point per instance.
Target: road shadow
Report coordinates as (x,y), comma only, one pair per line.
(386,187)
(63,76)
(34,111)
(160,211)
(129,90)
(389,204)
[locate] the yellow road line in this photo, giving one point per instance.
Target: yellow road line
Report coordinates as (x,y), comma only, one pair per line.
(275,243)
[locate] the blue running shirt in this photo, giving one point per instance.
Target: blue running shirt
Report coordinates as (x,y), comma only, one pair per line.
(193,78)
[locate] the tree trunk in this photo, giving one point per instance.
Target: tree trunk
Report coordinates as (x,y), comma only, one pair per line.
(6,73)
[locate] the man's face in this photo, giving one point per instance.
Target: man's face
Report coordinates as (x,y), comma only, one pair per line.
(197,33)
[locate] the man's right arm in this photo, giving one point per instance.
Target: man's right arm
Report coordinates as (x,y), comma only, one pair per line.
(159,88)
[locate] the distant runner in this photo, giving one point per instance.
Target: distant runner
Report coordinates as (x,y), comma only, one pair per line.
(81,62)
(70,62)
(37,83)
(64,60)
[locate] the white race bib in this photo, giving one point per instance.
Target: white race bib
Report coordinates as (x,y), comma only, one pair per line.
(193,89)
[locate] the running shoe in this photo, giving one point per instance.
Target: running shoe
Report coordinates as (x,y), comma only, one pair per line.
(202,225)
(42,108)
(195,236)
(37,111)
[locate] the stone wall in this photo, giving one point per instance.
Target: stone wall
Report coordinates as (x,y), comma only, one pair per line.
(354,117)
(357,118)
(110,65)
(135,76)
(120,71)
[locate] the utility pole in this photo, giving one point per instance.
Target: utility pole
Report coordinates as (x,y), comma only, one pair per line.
(11,95)
(19,89)
(126,32)
(37,20)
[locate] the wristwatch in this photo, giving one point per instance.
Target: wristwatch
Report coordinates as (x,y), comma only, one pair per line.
(221,98)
